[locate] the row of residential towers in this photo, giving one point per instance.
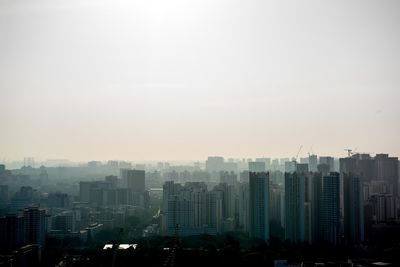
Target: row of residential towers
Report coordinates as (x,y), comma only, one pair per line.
(311,206)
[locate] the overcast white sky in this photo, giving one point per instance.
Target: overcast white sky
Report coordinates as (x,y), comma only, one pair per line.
(159,79)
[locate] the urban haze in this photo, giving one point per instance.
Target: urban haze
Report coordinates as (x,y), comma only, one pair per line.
(196,133)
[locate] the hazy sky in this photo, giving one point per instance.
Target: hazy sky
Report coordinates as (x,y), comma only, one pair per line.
(160,79)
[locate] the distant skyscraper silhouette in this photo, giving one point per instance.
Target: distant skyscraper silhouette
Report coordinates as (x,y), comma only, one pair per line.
(135,180)
(257,166)
(313,162)
(330,161)
(244,206)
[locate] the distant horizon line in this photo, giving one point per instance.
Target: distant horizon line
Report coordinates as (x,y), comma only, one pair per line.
(143,161)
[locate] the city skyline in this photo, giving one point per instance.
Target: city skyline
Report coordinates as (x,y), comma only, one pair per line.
(299,160)
(212,206)
(199,133)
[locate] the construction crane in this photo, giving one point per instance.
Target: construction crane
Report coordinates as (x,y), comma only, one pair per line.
(298,152)
(349,152)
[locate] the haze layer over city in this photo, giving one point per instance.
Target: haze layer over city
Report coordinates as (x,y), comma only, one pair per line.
(199,133)
(179,80)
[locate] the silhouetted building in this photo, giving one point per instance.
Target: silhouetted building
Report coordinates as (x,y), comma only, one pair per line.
(381,167)
(25,197)
(135,180)
(3,195)
(84,191)
(2,169)
(330,208)
(382,207)
(323,168)
(35,225)
(112,180)
(256,166)
(301,167)
(244,177)
(294,207)
(214,210)
(259,204)
(353,209)
(64,221)
(387,169)
(330,161)
(94,192)
(58,200)
(215,164)
(229,178)
(244,206)
(267,162)
(12,232)
(290,166)
(228,199)
(313,162)
(276,204)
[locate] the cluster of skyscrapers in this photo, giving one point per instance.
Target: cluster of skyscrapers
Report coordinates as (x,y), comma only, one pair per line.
(28,227)
(311,201)
(129,190)
(315,199)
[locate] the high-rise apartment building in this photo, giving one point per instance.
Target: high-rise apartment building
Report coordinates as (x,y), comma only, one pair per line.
(387,169)
(330,208)
(214,210)
(313,162)
(381,168)
(215,164)
(112,180)
(257,166)
(302,167)
(12,232)
(259,205)
(330,161)
(244,207)
(276,204)
(134,180)
(353,209)
(294,207)
(35,225)
(3,195)
(267,162)
(290,166)
(230,178)
(383,207)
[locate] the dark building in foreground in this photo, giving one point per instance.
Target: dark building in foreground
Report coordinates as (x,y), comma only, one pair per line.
(294,207)
(330,208)
(259,203)
(35,225)
(326,207)
(12,232)
(353,209)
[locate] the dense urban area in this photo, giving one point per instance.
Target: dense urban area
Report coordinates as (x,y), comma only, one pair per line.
(312,211)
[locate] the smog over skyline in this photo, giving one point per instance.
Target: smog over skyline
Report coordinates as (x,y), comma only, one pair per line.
(182,80)
(199,133)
